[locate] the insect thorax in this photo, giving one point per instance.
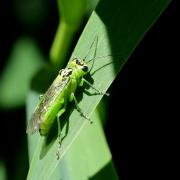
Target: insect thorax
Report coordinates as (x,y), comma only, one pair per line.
(79,66)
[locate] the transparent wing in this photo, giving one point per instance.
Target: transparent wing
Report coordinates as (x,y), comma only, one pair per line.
(33,125)
(46,103)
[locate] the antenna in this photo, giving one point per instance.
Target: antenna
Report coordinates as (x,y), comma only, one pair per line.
(98,58)
(95,39)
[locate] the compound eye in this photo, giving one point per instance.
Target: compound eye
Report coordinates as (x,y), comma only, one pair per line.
(85,68)
(78,62)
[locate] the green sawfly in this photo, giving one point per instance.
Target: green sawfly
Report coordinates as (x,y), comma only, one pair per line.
(62,91)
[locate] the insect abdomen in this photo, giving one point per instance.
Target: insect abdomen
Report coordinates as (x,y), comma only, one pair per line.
(50,116)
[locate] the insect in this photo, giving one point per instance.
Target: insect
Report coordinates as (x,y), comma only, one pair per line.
(62,91)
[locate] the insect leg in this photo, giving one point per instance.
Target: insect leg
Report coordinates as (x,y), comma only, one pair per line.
(98,91)
(79,109)
(81,83)
(59,132)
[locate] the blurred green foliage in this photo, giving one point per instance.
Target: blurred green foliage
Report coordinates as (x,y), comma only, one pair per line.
(23,62)
(2,171)
(72,14)
(31,13)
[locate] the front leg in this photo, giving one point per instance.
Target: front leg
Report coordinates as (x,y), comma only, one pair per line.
(98,91)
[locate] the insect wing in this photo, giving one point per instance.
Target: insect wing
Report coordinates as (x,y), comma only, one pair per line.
(45,103)
(33,124)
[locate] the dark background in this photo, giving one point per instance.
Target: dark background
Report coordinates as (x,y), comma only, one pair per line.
(141,130)
(142,110)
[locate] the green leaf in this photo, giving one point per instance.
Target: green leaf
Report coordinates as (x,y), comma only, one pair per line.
(3,174)
(119,26)
(24,61)
(90,149)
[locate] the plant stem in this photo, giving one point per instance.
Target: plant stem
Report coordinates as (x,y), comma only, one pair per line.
(61,43)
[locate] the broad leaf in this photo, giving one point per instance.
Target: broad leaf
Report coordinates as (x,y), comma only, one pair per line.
(119,26)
